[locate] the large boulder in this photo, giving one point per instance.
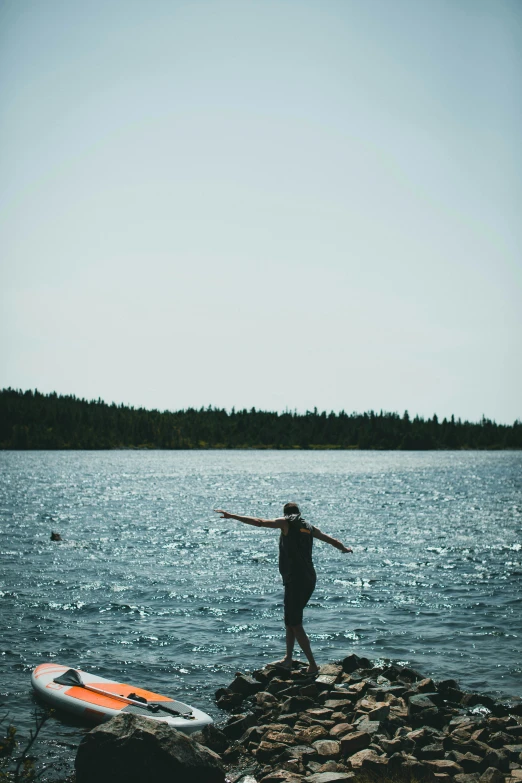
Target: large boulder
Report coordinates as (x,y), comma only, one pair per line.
(131,749)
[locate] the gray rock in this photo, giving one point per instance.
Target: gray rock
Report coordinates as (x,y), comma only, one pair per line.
(245,685)
(492,775)
(265,699)
(381,691)
(277,685)
(309,690)
(468,761)
(429,717)
(447,686)
(411,769)
(355,741)
(280,776)
(312,734)
(327,749)
(352,662)
(226,700)
(498,759)
(237,725)
(327,766)
(445,766)
(283,737)
(513,751)
(358,759)
(375,764)
(332,669)
(425,686)
(266,751)
(396,745)
(302,752)
(321,713)
(420,737)
(330,777)
(211,737)
(474,699)
(515,731)
(339,730)
(432,751)
(467,777)
(480,735)
(409,675)
(326,680)
(369,726)
(132,748)
(391,672)
(342,694)
(297,704)
(453,695)
(341,705)
(251,737)
(422,701)
(232,754)
(289,718)
(380,712)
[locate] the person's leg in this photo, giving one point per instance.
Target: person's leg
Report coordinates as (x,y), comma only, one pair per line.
(303,593)
(304,643)
(297,595)
(290,639)
(286,662)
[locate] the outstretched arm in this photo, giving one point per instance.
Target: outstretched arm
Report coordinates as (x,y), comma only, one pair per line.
(256,521)
(329,540)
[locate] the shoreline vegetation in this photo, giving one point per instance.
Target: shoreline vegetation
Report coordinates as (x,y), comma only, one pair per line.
(30,420)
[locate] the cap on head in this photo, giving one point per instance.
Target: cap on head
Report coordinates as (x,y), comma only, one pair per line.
(290,509)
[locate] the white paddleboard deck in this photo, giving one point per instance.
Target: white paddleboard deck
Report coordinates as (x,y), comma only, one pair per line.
(97,707)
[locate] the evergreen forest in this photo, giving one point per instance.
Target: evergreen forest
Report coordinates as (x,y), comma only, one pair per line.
(32,420)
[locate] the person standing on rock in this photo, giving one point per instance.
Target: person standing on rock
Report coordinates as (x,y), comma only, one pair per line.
(297,570)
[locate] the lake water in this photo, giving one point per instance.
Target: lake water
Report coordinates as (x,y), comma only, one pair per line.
(148,585)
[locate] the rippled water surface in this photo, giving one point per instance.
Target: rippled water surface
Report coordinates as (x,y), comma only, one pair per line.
(148,585)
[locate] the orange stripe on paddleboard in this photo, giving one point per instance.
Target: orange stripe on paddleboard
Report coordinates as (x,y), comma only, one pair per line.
(125,690)
(95,698)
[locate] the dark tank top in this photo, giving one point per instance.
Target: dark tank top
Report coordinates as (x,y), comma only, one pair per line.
(295,551)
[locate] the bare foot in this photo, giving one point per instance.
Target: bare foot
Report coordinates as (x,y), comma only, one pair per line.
(312,670)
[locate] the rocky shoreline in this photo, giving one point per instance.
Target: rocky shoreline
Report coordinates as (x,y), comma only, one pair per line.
(353,722)
(388,721)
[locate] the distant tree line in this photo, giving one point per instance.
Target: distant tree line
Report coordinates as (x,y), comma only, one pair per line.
(31,420)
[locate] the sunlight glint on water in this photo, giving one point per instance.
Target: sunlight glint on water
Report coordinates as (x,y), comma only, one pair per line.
(150,586)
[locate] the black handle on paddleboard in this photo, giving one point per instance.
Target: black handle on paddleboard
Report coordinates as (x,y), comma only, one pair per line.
(72,677)
(156,707)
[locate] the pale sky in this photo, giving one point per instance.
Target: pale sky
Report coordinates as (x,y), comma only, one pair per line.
(269,203)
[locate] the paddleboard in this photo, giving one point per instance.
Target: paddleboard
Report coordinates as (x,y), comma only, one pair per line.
(99,699)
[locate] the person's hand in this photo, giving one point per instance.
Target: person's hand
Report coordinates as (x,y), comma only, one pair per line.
(224,514)
(347,549)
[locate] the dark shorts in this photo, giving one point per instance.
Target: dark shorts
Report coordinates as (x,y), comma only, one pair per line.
(297,595)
